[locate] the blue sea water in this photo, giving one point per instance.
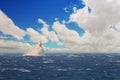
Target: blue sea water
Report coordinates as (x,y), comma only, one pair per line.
(84,66)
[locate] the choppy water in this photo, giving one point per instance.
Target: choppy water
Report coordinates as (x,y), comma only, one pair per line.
(60,67)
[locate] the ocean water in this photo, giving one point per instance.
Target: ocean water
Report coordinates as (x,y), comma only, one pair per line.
(82,66)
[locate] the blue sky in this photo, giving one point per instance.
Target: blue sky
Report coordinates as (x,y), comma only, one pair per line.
(24,13)
(62,25)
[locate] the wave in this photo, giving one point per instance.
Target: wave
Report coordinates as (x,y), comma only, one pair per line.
(16,69)
(34,52)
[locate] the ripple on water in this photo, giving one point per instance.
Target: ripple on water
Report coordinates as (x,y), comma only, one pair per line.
(61,69)
(15,69)
(48,61)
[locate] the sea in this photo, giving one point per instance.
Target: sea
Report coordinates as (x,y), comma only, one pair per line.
(60,66)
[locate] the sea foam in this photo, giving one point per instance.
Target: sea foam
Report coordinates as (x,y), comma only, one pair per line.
(34,52)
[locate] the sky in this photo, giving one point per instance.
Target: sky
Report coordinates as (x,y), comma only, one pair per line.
(62,25)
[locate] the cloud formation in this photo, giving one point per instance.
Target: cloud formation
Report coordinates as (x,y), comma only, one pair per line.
(69,37)
(7,26)
(49,34)
(13,46)
(36,36)
(57,50)
(102,23)
(103,14)
(101,26)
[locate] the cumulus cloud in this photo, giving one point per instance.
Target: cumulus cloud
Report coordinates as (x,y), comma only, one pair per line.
(9,30)
(43,22)
(7,26)
(101,24)
(36,36)
(69,37)
(103,14)
(57,50)
(49,34)
(13,47)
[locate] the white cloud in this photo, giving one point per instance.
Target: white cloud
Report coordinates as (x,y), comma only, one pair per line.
(112,39)
(104,13)
(57,50)
(8,27)
(36,36)
(13,47)
(60,43)
(49,34)
(99,37)
(118,26)
(43,22)
(56,19)
(74,9)
(66,9)
(69,37)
